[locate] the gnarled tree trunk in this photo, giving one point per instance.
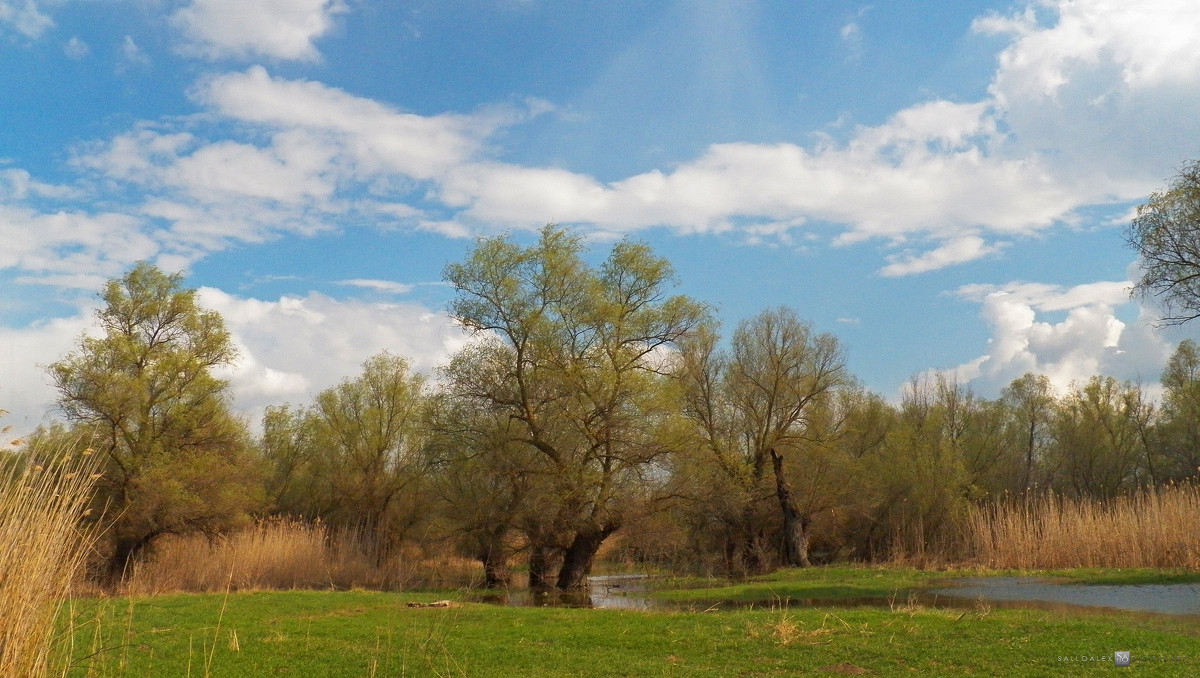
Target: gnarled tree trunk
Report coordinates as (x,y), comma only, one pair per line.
(795,523)
(540,562)
(578,558)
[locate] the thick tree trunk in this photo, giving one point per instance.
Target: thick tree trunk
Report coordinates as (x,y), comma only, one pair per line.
(539,567)
(753,560)
(577,560)
(795,523)
(496,574)
(125,552)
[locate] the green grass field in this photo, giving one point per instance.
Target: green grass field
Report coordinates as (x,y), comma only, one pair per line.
(304,633)
(840,583)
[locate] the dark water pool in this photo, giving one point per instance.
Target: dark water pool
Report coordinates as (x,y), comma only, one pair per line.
(618,591)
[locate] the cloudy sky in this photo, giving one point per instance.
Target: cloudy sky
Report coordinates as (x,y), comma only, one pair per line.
(942,185)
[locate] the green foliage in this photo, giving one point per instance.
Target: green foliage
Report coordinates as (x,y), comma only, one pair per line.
(574,356)
(144,396)
(354,458)
(1166,236)
(1029,402)
(1179,423)
(769,400)
(1101,436)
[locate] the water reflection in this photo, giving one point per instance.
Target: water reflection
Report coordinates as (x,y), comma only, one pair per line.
(1175,599)
(631,592)
(617,591)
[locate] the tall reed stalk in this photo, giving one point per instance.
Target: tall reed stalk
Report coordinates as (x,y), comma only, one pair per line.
(42,548)
(1153,528)
(282,553)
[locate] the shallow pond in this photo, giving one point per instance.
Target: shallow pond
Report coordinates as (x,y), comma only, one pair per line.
(1176,599)
(617,591)
(631,592)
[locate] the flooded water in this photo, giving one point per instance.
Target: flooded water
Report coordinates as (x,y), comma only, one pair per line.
(631,592)
(1175,599)
(616,591)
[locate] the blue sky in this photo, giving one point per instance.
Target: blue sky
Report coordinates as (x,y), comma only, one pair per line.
(941,185)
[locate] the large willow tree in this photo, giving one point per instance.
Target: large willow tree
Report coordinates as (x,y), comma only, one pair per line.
(143,392)
(573,356)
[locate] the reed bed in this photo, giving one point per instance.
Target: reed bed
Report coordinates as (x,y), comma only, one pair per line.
(1152,528)
(284,554)
(42,551)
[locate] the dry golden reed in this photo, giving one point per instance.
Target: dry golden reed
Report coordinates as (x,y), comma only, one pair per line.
(282,554)
(42,549)
(1153,528)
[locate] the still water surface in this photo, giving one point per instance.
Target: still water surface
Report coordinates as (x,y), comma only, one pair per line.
(631,592)
(1176,599)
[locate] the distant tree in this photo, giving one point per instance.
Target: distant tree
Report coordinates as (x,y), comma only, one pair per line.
(1166,235)
(921,476)
(355,457)
(1100,439)
(144,396)
(758,406)
(371,429)
(289,451)
(1030,403)
(1179,426)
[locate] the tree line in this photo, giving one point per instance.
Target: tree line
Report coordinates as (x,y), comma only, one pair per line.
(592,407)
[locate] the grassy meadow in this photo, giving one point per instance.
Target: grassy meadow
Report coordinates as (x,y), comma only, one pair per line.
(359,633)
(287,598)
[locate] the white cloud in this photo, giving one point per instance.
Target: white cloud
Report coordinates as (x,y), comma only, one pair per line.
(132,54)
(279,29)
(1107,92)
(385,286)
(291,348)
(70,242)
(1089,340)
(24,17)
(76,48)
(294,347)
(851,34)
(378,138)
(26,391)
(967,248)
(209,194)
(1088,105)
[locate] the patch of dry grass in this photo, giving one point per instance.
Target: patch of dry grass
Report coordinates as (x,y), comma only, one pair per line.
(281,554)
(43,496)
(1154,528)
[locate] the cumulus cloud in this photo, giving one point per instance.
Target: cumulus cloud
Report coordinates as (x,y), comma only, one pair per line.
(1088,340)
(26,391)
(1087,107)
(292,347)
(24,17)
(279,29)
(1100,88)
